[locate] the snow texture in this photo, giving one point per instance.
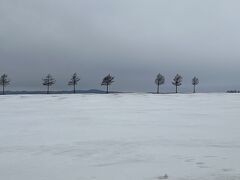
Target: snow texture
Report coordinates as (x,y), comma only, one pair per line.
(120,137)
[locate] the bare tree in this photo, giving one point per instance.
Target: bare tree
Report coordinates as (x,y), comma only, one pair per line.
(74,81)
(107,81)
(48,81)
(160,79)
(4,81)
(195,81)
(177,81)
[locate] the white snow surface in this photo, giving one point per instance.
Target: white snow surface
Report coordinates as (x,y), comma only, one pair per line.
(120,137)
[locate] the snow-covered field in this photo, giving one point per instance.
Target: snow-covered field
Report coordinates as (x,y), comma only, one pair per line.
(120,137)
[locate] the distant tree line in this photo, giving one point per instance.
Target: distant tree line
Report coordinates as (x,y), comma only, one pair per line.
(233,91)
(107,81)
(177,81)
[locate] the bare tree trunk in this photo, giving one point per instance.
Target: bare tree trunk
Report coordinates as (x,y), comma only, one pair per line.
(158,89)
(107,89)
(194,89)
(3,90)
(176,89)
(74,89)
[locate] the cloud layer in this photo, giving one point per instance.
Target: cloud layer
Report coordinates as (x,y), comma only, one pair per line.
(134,40)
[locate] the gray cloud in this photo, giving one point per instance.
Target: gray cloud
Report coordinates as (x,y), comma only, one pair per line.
(133,40)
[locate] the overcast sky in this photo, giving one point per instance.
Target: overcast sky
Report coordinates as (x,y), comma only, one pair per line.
(131,39)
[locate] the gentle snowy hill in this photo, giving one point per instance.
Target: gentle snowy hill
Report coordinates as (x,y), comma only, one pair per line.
(120,137)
